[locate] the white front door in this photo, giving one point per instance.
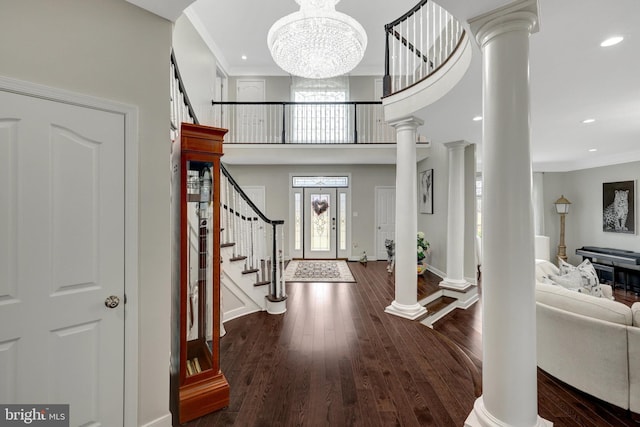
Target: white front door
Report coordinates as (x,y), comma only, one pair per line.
(61,256)
(385,219)
(320,223)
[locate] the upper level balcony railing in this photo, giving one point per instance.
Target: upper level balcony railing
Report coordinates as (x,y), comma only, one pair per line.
(303,122)
(418,44)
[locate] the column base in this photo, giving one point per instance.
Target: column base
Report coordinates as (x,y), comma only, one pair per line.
(278,306)
(480,417)
(411,312)
(465,298)
(456,285)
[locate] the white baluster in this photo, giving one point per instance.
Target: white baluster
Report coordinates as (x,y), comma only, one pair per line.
(283,292)
(422,52)
(236,234)
(440,31)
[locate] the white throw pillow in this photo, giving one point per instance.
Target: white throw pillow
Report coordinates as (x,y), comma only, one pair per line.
(590,279)
(590,284)
(564,267)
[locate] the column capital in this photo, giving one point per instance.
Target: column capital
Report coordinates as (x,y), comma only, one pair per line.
(521,15)
(456,144)
(410,122)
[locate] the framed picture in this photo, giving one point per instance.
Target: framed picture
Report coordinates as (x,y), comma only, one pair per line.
(618,207)
(425,190)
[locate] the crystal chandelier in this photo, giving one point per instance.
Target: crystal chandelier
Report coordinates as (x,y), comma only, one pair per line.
(317,41)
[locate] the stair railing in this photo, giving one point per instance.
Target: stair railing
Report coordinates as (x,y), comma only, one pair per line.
(256,239)
(249,232)
(418,44)
(304,122)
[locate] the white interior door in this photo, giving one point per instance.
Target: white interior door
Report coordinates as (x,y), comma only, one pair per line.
(320,223)
(61,257)
(385,219)
(250,119)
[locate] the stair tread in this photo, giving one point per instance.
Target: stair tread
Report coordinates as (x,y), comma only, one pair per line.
(238,258)
(267,282)
(226,245)
(251,270)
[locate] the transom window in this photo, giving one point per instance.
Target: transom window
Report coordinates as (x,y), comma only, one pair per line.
(320,181)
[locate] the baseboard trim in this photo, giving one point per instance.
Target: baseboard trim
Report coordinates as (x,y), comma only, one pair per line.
(436,271)
(164,421)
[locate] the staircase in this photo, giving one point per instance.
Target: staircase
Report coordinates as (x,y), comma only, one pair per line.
(251,252)
(251,244)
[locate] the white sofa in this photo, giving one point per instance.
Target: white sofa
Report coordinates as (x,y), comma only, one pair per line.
(590,343)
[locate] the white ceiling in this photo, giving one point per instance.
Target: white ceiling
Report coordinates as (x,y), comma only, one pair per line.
(572,77)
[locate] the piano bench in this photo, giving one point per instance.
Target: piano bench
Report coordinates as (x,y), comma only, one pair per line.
(606,273)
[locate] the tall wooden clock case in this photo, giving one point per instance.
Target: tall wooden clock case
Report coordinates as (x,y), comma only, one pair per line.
(198,385)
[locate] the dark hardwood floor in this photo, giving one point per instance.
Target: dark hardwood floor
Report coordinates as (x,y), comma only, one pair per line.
(336,359)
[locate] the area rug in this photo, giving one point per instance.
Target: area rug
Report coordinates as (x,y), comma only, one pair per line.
(318,271)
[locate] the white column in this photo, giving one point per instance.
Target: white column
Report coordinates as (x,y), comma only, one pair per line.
(538,203)
(509,319)
(406,278)
(455,222)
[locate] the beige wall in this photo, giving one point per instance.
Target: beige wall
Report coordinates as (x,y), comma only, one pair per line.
(114,50)
(583,188)
(364,179)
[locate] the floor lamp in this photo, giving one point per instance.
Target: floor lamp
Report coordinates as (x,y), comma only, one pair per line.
(562,207)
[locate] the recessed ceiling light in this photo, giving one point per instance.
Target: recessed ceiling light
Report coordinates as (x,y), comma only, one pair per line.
(477,118)
(612,41)
(592,150)
(244,57)
(586,121)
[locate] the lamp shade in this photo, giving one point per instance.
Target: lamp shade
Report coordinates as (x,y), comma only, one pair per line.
(562,205)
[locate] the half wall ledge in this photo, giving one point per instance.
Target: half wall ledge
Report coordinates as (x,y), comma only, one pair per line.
(414,98)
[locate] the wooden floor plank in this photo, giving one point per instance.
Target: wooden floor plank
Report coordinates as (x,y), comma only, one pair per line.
(335,358)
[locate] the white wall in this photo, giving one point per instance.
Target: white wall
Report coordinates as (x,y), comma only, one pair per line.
(434,225)
(470,230)
(584,221)
(197,66)
(114,50)
(278,88)
(364,179)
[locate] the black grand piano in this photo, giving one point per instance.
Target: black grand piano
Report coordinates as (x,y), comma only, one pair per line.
(617,266)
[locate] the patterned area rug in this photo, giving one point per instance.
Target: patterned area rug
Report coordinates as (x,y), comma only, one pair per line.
(318,271)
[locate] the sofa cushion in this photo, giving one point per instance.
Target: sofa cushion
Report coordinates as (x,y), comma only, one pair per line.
(586,305)
(635,312)
(544,269)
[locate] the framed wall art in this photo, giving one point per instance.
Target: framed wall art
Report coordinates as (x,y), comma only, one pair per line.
(618,207)
(425,190)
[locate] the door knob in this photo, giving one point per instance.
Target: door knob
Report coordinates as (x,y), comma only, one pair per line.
(112,301)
